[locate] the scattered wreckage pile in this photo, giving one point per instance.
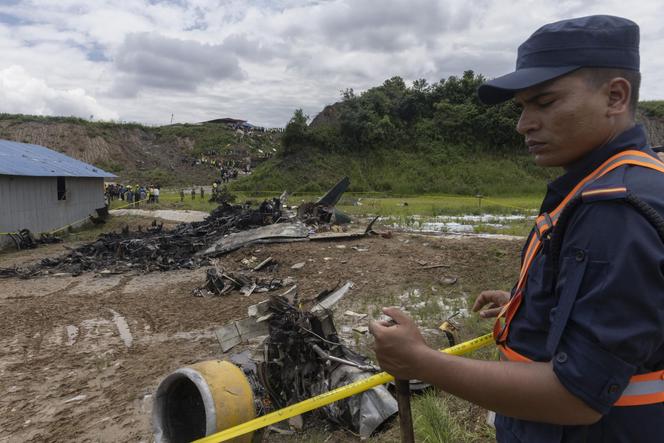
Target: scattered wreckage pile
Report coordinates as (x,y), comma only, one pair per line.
(298,354)
(24,239)
(191,245)
(293,352)
(152,249)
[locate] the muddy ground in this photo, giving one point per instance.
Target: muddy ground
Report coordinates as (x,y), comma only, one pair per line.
(81,356)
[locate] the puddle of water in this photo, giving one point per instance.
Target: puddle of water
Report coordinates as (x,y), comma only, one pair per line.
(457,224)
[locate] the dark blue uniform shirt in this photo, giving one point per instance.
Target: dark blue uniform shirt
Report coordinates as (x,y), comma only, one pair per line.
(612,271)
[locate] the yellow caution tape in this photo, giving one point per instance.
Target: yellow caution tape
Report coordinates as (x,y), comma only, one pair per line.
(331,396)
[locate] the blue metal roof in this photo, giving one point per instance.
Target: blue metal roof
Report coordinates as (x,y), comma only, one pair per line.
(38,161)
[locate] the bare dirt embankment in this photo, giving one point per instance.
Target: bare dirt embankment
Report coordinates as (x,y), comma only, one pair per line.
(124,151)
(81,356)
(146,154)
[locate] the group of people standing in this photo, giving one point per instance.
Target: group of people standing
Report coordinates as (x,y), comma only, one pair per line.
(133,194)
(228,169)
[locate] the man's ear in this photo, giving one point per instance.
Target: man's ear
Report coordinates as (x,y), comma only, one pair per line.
(619,93)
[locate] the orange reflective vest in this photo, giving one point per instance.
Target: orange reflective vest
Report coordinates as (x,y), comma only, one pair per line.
(642,389)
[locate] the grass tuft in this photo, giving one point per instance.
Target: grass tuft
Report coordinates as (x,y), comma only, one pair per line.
(434,422)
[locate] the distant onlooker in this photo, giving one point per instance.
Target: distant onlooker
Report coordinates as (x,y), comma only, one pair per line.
(141,195)
(181,195)
(193,193)
(155,194)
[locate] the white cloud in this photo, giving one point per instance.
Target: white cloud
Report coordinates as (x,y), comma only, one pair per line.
(261,59)
(22,94)
(155,61)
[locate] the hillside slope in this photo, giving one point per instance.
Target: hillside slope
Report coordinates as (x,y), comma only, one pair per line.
(392,138)
(165,154)
(415,139)
(435,169)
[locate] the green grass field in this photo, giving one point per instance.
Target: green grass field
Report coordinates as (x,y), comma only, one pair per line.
(361,204)
(402,210)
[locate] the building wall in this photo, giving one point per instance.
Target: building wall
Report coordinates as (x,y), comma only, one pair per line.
(32,202)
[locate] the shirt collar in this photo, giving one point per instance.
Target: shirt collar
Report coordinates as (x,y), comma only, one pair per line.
(557,190)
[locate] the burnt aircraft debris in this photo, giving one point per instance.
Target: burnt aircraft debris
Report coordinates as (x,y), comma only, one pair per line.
(154,248)
(218,282)
(324,210)
(293,231)
(302,356)
(191,245)
(24,239)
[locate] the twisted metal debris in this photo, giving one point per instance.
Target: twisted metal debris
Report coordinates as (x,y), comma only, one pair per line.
(154,249)
(303,357)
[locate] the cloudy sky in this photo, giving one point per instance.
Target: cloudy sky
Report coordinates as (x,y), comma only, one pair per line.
(143,60)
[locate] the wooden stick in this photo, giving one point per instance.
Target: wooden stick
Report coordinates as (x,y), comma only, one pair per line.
(405,416)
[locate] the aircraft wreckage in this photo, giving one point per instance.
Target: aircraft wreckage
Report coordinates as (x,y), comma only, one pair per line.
(298,354)
(192,245)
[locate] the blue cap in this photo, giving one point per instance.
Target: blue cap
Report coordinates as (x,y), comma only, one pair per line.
(598,41)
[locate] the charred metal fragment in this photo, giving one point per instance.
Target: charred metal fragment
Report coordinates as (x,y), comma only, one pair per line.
(303,357)
(218,282)
(24,239)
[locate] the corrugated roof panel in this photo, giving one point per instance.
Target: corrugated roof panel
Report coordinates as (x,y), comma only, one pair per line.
(34,160)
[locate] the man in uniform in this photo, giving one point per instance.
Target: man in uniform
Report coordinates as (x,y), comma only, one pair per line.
(582,343)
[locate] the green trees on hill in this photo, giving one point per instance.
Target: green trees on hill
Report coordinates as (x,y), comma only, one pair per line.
(395,115)
(406,139)
(296,134)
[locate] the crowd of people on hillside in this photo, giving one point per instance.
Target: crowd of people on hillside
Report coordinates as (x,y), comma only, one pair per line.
(228,169)
(135,194)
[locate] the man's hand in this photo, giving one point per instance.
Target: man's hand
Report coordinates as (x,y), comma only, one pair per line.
(398,345)
(495,299)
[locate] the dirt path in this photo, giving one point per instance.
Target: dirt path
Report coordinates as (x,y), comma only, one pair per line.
(181,216)
(81,356)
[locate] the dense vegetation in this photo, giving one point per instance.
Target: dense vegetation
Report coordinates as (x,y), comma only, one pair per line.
(394,115)
(652,108)
(423,138)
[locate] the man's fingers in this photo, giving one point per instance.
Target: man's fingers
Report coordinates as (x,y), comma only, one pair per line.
(484,298)
(488,313)
(496,298)
(397,315)
(480,301)
(377,324)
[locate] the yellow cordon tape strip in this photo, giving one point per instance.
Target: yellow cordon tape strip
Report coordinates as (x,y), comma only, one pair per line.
(331,396)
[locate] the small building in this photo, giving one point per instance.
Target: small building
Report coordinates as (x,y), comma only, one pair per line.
(228,121)
(43,190)
(233,123)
